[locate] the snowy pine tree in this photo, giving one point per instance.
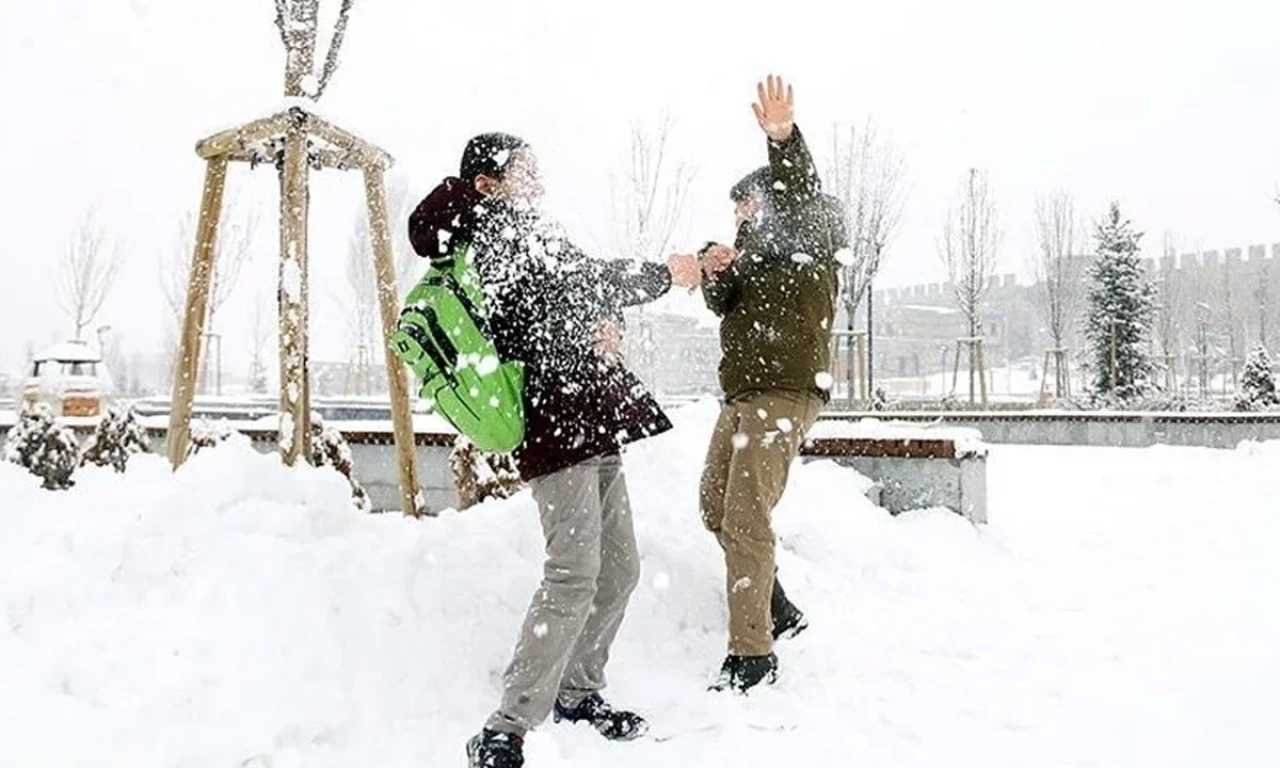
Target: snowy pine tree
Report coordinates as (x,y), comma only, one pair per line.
(1258,388)
(477,476)
(118,436)
(1121,311)
(330,449)
(44,447)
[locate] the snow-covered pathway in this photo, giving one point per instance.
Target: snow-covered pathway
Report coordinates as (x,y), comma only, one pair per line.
(1120,610)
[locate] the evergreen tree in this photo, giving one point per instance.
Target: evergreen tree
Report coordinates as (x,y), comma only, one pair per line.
(1258,389)
(1121,311)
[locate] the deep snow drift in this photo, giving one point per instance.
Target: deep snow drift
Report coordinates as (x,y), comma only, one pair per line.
(1121,609)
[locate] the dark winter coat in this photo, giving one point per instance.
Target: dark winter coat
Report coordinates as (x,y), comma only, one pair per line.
(777,301)
(544,299)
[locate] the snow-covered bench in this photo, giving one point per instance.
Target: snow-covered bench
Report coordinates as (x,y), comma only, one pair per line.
(913,466)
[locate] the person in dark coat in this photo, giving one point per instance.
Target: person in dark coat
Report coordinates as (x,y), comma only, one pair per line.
(559,312)
(774,291)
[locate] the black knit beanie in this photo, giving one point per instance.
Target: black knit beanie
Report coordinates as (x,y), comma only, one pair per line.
(755,182)
(488,155)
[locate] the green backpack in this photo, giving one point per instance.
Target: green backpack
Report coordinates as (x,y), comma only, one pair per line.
(443,335)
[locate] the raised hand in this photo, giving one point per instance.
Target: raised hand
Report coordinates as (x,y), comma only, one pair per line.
(775,109)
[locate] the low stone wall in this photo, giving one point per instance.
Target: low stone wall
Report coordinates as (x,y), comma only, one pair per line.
(1122,430)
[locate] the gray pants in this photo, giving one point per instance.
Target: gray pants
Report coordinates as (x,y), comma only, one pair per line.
(592,567)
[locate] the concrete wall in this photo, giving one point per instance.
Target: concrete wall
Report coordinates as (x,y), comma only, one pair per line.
(906,484)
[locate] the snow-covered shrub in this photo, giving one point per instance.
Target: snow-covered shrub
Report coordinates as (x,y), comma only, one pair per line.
(330,449)
(118,436)
(1258,386)
(207,434)
(478,476)
(44,446)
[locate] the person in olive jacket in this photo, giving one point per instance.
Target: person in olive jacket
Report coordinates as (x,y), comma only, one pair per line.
(557,311)
(775,292)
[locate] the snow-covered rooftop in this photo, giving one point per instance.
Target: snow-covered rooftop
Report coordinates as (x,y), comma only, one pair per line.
(70,351)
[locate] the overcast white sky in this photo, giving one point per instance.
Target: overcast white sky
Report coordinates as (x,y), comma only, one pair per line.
(1173,108)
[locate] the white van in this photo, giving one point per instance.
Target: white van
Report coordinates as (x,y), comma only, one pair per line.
(70,378)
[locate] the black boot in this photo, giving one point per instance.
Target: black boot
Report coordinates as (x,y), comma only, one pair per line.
(742,673)
(492,749)
(615,725)
(788,620)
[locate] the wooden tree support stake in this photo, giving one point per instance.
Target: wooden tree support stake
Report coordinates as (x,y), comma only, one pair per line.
(185,369)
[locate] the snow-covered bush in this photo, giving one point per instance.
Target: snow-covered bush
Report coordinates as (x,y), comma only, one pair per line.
(118,436)
(44,446)
(478,476)
(207,434)
(330,449)
(1258,387)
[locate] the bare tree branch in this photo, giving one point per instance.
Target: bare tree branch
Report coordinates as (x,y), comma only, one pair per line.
(86,274)
(651,197)
(968,247)
(866,174)
(234,245)
(280,14)
(1057,267)
(335,45)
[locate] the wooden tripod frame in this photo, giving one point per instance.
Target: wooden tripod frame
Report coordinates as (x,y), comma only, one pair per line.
(294,141)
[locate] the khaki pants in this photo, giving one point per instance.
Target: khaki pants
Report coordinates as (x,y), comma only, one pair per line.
(755,440)
(592,568)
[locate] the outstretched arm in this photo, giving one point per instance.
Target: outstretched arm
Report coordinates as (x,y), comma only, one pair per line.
(795,179)
(721,285)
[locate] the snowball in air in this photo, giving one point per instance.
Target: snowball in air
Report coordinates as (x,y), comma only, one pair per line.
(784,425)
(540,630)
(824,380)
(802,258)
(740,441)
(844,256)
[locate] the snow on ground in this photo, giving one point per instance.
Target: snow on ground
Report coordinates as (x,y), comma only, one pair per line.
(1120,610)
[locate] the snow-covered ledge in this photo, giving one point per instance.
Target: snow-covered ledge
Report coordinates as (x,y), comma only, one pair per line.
(915,466)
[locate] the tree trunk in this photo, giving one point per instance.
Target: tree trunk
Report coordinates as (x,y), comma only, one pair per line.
(295,422)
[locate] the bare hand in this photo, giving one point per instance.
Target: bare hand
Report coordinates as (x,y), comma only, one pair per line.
(718,258)
(607,340)
(775,110)
(685,271)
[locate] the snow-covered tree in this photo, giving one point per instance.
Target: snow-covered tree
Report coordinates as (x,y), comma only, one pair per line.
(118,437)
(1122,302)
(330,449)
(1258,386)
(477,476)
(44,446)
